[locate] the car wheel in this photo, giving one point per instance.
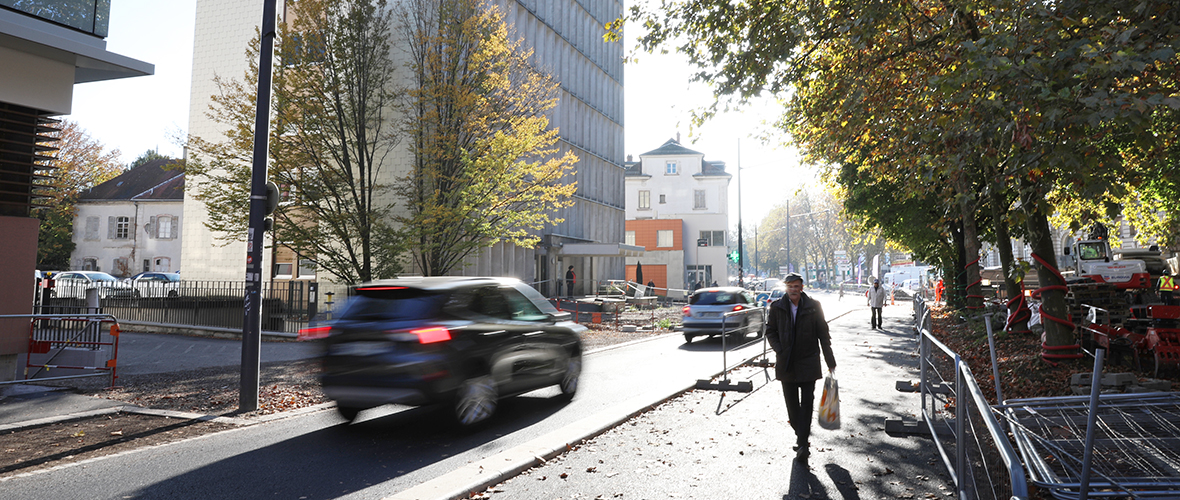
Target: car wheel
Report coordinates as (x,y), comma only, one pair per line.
(348,412)
(173,294)
(137,294)
(573,374)
(476,400)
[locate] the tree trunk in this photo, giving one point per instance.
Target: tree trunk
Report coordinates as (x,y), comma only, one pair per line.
(1053,299)
(970,269)
(1018,313)
(957,282)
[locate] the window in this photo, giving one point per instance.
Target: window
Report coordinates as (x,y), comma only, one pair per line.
(664,238)
(122,228)
(90,264)
(306,268)
(164,227)
(645,200)
(162,265)
(283,271)
(630,238)
(698,199)
(663,199)
(715,238)
(147,265)
(671,168)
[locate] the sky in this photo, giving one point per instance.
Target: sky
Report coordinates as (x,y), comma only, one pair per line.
(135,115)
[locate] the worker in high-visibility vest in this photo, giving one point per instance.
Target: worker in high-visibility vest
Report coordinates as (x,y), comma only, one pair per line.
(1167,285)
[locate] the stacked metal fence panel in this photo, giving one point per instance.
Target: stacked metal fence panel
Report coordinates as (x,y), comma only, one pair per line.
(1135,445)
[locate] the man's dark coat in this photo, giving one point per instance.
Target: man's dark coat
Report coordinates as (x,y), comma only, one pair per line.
(798,343)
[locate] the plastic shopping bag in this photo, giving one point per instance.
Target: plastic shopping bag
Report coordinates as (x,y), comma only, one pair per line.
(829,405)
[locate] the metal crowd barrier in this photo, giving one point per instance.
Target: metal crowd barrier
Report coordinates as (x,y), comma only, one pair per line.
(973,445)
(78,345)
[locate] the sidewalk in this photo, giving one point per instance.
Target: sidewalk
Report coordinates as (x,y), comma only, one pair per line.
(139,353)
(708,444)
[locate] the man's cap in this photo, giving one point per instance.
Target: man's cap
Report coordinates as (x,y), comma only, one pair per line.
(792,277)
(876,281)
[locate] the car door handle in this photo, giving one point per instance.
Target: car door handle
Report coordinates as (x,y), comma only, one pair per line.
(497,332)
(530,334)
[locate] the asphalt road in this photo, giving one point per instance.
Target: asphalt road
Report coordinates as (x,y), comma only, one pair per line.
(318,455)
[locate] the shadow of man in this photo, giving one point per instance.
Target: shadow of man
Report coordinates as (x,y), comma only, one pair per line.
(804,484)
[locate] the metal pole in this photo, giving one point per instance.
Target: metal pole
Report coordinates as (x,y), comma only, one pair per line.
(991,343)
(960,427)
(741,268)
(1088,453)
(252,326)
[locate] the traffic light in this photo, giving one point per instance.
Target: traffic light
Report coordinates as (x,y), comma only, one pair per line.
(733,256)
(273,196)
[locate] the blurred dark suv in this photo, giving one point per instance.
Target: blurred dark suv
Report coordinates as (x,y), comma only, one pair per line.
(460,341)
(704,316)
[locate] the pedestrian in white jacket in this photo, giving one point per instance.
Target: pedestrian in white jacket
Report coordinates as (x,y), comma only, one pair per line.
(876,295)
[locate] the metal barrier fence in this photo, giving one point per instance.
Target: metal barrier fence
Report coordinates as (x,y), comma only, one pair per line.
(974,447)
(286,306)
(66,346)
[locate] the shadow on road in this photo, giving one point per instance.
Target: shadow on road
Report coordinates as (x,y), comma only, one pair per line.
(346,458)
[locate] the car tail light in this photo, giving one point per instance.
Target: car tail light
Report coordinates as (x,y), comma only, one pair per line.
(686,311)
(738,307)
(318,332)
(423,335)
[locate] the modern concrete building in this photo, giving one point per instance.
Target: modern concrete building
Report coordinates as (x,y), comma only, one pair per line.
(566,36)
(131,224)
(46,48)
(674,186)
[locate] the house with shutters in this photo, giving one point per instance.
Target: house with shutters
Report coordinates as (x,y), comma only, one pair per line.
(131,224)
(678,210)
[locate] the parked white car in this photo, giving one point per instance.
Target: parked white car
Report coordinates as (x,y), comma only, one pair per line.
(150,285)
(73,284)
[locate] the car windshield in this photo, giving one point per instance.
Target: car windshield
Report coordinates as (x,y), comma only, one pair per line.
(102,277)
(714,298)
(536,298)
(393,303)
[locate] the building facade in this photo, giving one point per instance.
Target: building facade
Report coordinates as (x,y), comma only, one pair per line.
(676,185)
(46,48)
(566,36)
(131,224)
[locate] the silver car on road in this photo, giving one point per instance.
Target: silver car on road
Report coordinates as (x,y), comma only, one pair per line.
(705,314)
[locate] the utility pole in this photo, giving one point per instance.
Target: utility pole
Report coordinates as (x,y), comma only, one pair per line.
(252,326)
(741,269)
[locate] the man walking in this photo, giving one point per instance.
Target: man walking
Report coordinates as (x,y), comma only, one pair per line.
(876,295)
(570,277)
(798,332)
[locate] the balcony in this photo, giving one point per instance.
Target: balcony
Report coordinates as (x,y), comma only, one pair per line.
(88,16)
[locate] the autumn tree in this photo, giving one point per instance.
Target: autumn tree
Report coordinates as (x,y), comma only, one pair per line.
(332,131)
(939,102)
(486,167)
(81,163)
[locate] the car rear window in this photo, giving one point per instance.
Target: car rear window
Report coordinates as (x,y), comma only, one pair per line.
(714,298)
(393,303)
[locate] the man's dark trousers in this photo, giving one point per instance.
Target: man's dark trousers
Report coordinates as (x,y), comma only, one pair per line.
(800,398)
(876,321)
